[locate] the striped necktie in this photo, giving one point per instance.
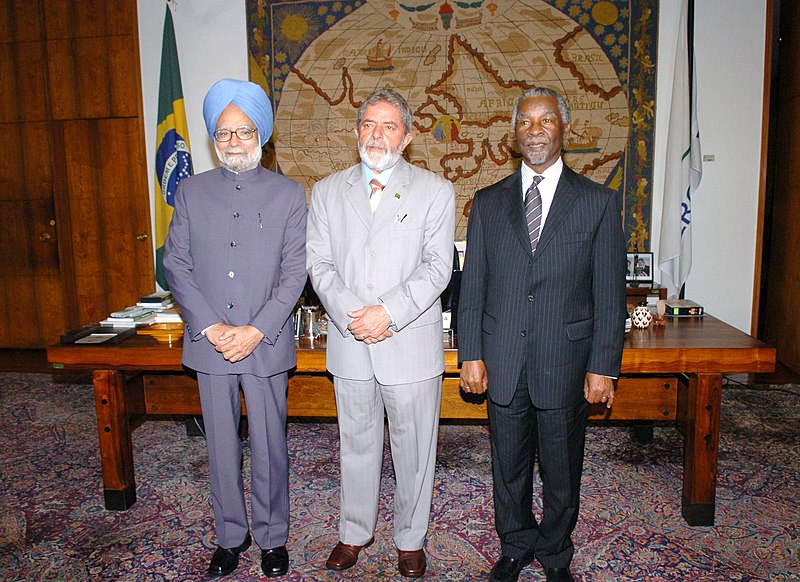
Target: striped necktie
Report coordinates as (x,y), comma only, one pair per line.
(533,211)
(375,195)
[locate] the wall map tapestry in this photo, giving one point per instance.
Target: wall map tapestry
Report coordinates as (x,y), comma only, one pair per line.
(461,65)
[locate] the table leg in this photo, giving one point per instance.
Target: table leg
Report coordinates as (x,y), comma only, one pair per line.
(701,448)
(116,453)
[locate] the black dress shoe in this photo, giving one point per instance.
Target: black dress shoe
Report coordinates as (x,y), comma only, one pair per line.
(558,575)
(507,569)
(225,560)
(275,562)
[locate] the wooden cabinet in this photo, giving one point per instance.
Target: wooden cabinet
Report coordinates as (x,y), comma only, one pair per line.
(74,202)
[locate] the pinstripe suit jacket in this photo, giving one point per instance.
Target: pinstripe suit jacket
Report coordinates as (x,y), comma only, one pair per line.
(401,256)
(560,312)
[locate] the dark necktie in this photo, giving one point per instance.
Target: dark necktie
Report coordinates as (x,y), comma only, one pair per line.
(533,211)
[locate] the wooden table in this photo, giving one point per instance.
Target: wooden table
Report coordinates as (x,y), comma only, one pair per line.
(670,373)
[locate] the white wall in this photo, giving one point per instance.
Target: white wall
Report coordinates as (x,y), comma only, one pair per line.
(211,40)
(730,67)
(729,55)
(729,52)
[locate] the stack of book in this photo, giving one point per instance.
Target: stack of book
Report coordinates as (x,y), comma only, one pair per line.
(159,307)
(158,301)
(133,316)
(171,315)
(683,308)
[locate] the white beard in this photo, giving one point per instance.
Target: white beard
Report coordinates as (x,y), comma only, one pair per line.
(239,162)
(378,162)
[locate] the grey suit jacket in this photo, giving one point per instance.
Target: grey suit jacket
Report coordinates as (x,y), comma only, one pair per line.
(401,256)
(235,253)
(561,312)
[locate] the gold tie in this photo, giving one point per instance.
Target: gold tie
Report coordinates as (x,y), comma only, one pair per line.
(375,195)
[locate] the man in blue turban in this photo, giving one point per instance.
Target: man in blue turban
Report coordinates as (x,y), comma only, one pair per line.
(235,262)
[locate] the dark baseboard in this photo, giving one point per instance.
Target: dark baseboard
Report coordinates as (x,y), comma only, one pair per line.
(32,361)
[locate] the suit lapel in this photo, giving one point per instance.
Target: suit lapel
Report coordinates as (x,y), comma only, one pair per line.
(563,200)
(358,196)
(511,199)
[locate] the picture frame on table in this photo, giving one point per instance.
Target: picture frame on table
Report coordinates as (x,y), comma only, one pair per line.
(639,267)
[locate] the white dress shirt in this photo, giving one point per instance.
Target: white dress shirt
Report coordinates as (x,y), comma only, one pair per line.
(547,187)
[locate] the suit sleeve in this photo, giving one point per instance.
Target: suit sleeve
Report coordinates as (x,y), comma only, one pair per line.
(608,288)
(473,289)
(417,292)
(337,298)
(274,314)
(178,266)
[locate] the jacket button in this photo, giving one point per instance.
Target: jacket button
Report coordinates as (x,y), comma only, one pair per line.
(229,306)
(238,186)
(530,298)
(523,333)
(230,274)
(233,243)
(530,263)
(236,215)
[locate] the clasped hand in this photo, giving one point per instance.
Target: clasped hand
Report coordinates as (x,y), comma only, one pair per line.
(370,324)
(235,343)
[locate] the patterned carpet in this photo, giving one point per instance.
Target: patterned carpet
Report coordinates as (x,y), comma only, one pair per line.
(53,525)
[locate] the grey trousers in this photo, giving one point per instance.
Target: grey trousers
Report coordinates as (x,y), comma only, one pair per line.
(269,483)
(413,414)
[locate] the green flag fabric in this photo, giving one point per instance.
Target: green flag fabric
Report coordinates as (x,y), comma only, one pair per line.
(173,158)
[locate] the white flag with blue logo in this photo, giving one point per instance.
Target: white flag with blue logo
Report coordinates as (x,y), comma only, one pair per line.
(683,169)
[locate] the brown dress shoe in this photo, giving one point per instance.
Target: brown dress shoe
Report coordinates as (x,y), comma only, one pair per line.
(411,563)
(345,556)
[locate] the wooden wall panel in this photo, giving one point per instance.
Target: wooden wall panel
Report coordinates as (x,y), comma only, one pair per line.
(108,197)
(20,20)
(74,203)
(28,237)
(94,77)
(23,87)
(23,321)
(86,18)
(30,281)
(25,164)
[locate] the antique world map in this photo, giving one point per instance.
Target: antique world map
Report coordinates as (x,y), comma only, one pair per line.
(461,67)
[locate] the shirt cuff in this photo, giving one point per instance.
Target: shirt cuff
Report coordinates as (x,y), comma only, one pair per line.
(389,313)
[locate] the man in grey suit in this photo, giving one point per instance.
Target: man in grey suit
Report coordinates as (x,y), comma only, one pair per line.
(235,262)
(379,257)
(541,327)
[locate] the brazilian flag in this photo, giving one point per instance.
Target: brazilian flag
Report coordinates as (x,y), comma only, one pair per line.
(173,160)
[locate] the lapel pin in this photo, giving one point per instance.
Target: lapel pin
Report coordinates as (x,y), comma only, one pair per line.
(397,196)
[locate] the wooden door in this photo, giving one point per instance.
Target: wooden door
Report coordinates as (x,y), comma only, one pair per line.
(780,316)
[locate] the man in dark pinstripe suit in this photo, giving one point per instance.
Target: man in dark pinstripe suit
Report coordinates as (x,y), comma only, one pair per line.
(541,327)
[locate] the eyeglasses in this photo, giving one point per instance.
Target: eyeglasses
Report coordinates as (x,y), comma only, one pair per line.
(243,133)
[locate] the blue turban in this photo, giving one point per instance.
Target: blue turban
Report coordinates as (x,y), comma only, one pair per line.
(247,96)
